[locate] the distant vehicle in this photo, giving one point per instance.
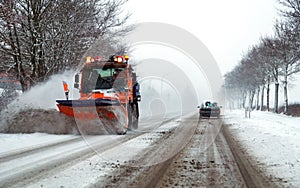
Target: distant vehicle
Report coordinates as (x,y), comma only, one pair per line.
(209,109)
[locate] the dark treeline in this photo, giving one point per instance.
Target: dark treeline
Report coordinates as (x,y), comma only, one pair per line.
(272,61)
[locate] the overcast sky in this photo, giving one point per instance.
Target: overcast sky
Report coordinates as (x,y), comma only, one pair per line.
(227,28)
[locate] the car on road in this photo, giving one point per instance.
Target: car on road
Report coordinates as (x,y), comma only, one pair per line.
(209,109)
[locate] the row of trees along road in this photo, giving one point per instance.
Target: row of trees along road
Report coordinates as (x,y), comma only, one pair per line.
(39,38)
(272,61)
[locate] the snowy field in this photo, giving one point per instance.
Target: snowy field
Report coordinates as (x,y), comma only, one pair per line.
(273,140)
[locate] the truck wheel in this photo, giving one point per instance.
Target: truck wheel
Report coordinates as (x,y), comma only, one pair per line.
(122,132)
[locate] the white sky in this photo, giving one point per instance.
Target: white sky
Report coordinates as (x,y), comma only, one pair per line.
(227,28)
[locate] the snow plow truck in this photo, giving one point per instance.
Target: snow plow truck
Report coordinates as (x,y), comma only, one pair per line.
(109,96)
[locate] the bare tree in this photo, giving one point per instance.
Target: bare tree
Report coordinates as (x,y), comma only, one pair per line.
(44,37)
(292,9)
(234,90)
(274,64)
(289,53)
(254,71)
(272,60)
(243,80)
(260,70)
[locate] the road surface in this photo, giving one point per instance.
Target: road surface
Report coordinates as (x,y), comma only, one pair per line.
(174,152)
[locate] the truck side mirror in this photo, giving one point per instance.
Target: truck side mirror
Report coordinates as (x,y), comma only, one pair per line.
(76,84)
(76,78)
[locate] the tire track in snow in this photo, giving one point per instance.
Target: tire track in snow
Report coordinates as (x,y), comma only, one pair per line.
(7,156)
(23,167)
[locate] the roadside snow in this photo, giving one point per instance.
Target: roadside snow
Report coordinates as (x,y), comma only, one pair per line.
(273,139)
(100,167)
(16,142)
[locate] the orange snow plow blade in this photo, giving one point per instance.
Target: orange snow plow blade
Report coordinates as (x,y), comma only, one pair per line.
(103,113)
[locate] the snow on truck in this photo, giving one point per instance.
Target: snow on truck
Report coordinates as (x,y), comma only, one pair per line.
(109,96)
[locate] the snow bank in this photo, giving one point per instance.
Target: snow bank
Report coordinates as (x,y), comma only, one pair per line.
(273,139)
(36,111)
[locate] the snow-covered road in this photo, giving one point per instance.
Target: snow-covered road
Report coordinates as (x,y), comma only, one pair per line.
(32,162)
(195,149)
(35,160)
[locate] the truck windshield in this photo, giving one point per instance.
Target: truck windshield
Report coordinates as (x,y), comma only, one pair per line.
(97,78)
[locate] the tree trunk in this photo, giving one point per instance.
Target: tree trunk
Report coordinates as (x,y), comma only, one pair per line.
(262,98)
(244,100)
(252,93)
(276,97)
(257,98)
(268,95)
(285,94)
